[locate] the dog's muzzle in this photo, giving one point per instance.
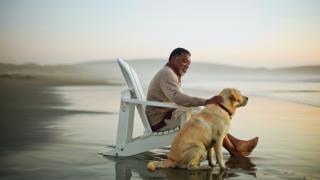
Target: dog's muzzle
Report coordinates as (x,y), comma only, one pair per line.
(245,101)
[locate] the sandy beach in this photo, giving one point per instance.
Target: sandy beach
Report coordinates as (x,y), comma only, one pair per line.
(58,132)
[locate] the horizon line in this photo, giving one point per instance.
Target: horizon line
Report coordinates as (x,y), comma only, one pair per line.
(156,59)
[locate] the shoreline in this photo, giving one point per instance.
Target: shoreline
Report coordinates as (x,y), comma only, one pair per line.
(82,82)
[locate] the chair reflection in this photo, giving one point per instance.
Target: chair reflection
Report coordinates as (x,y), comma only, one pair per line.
(134,167)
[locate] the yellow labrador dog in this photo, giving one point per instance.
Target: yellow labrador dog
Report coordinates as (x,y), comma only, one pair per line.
(204,132)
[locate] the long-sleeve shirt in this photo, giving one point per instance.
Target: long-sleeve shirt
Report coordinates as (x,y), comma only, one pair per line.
(166,87)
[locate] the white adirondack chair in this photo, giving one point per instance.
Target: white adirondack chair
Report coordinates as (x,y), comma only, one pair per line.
(132,98)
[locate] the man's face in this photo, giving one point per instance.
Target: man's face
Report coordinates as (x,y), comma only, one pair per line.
(181,63)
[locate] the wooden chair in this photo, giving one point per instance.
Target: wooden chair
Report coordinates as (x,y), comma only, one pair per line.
(132,98)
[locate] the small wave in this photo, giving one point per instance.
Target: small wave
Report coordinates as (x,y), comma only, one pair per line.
(295,91)
(306,98)
(75,111)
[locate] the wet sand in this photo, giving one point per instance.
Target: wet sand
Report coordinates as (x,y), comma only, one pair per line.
(44,136)
(34,145)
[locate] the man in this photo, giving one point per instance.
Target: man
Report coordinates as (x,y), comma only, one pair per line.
(166,87)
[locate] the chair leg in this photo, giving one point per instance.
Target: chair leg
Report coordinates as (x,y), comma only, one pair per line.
(125,122)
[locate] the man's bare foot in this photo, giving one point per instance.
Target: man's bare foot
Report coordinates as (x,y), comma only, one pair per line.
(243,147)
(240,154)
(233,139)
(239,148)
(235,153)
(247,146)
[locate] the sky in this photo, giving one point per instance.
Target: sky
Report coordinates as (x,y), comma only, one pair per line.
(252,33)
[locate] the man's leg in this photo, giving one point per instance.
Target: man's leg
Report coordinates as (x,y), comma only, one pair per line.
(181,116)
(178,118)
(238,147)
(170,124)
(227,144)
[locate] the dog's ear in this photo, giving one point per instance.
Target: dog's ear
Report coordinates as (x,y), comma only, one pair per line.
(234,97)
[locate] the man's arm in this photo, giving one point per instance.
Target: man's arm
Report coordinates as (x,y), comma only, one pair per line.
(170,87)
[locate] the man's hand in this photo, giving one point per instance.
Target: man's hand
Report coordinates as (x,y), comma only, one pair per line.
(215,100)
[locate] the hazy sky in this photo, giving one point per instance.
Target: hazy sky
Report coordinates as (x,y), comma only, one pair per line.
(268,33)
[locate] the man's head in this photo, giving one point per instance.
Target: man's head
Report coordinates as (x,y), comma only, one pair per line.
(180,60)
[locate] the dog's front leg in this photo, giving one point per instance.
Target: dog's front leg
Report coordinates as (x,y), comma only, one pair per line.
(209,157)
(218,151)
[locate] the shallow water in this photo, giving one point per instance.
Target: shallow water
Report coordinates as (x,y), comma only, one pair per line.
(288,146)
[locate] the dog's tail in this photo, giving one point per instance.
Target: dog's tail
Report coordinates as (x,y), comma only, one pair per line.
(167,163)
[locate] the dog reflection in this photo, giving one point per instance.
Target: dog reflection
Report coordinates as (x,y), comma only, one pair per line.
(183,174)
(134,167)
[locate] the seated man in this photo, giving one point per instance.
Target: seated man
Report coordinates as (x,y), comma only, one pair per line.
(165,87)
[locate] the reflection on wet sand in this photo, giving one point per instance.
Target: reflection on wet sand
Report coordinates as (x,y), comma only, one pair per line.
(135,167)
(242,165)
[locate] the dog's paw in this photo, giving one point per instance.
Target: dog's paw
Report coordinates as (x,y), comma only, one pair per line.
(212,165)
(224,168)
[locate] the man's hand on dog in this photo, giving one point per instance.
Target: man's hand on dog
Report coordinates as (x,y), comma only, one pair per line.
(215,100)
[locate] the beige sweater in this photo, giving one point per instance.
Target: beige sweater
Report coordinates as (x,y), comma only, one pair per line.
(165,87)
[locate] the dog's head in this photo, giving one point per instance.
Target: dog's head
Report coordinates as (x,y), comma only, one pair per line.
(233,98)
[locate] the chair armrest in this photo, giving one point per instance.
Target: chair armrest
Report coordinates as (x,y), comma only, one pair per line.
(159,104)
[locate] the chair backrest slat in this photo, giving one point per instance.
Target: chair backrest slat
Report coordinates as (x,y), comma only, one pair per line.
(135,88)
(132,79)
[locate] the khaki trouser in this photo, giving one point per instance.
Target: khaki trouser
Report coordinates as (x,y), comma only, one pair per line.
(178,118)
